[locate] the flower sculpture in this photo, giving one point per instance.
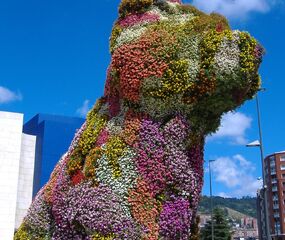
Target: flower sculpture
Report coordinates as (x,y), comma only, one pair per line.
(135,168)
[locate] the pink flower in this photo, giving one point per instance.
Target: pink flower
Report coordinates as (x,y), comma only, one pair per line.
(137,18)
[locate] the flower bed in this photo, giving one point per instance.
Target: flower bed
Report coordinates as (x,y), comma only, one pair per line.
(135,168)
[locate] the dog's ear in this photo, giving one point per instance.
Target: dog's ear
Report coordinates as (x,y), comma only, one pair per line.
(128,7)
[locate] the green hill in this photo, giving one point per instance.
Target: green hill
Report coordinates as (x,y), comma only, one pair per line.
(245,205)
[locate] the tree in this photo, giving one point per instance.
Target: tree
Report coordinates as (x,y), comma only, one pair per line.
(222,230)
(195,231)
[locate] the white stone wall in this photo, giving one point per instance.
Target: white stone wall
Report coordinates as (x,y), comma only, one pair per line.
(17,157)
(10,151)
(26,174)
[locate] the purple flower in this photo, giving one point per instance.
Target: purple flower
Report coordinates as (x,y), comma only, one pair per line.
(95,210)
(175,219)
(150,156)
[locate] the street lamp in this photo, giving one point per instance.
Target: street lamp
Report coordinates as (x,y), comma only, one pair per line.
(259,143)
(211,199)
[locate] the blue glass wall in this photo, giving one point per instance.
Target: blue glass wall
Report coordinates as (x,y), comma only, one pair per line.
(54,135)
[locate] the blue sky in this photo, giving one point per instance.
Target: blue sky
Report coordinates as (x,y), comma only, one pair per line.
(54,55)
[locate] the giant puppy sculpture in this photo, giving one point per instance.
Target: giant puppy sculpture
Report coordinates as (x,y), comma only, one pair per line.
(135,168)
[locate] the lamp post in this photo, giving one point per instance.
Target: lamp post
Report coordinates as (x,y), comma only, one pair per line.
(211,199)
(260,145)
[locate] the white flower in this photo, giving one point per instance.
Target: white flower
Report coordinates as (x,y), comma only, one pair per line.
(122,184)
(173,4)
(183,18)
(129,35)
(227,57)
(115,125)
(104,109)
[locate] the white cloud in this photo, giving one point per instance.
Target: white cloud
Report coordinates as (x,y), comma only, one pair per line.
(223,195)
(233,127)
(243,162)
(237,174)
(7,96)
(83,110)
(234,8)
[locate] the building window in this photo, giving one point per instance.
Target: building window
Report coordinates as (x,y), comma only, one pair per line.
(274,189)
(276,215)
(275,195)
(274,181)
(282,166)
(282,158)
(283,175)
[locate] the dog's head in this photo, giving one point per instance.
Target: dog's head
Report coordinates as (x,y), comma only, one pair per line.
(170,58)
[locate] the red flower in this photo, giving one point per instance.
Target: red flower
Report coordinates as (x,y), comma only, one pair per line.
(77,178)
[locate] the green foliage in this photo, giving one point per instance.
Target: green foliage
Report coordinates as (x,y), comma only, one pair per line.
(206,23)
(98,236)
(245,205)
(24,234)
(222,229)
(95,123)
(21,234)
(75,162)
(249,62)
(91,162)
(115,33)
(190,9)
(133,6)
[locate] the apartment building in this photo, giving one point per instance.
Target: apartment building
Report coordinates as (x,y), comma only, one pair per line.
(275,181)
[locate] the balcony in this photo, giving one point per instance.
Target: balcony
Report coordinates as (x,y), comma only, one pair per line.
(275,198)
(274,181)
(274,189)
(276,206)
(276,215)
(272,172)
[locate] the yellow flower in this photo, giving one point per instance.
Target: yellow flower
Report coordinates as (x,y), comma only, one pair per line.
(115,148)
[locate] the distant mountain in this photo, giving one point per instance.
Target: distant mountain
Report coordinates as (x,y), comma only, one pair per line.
(244,206)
